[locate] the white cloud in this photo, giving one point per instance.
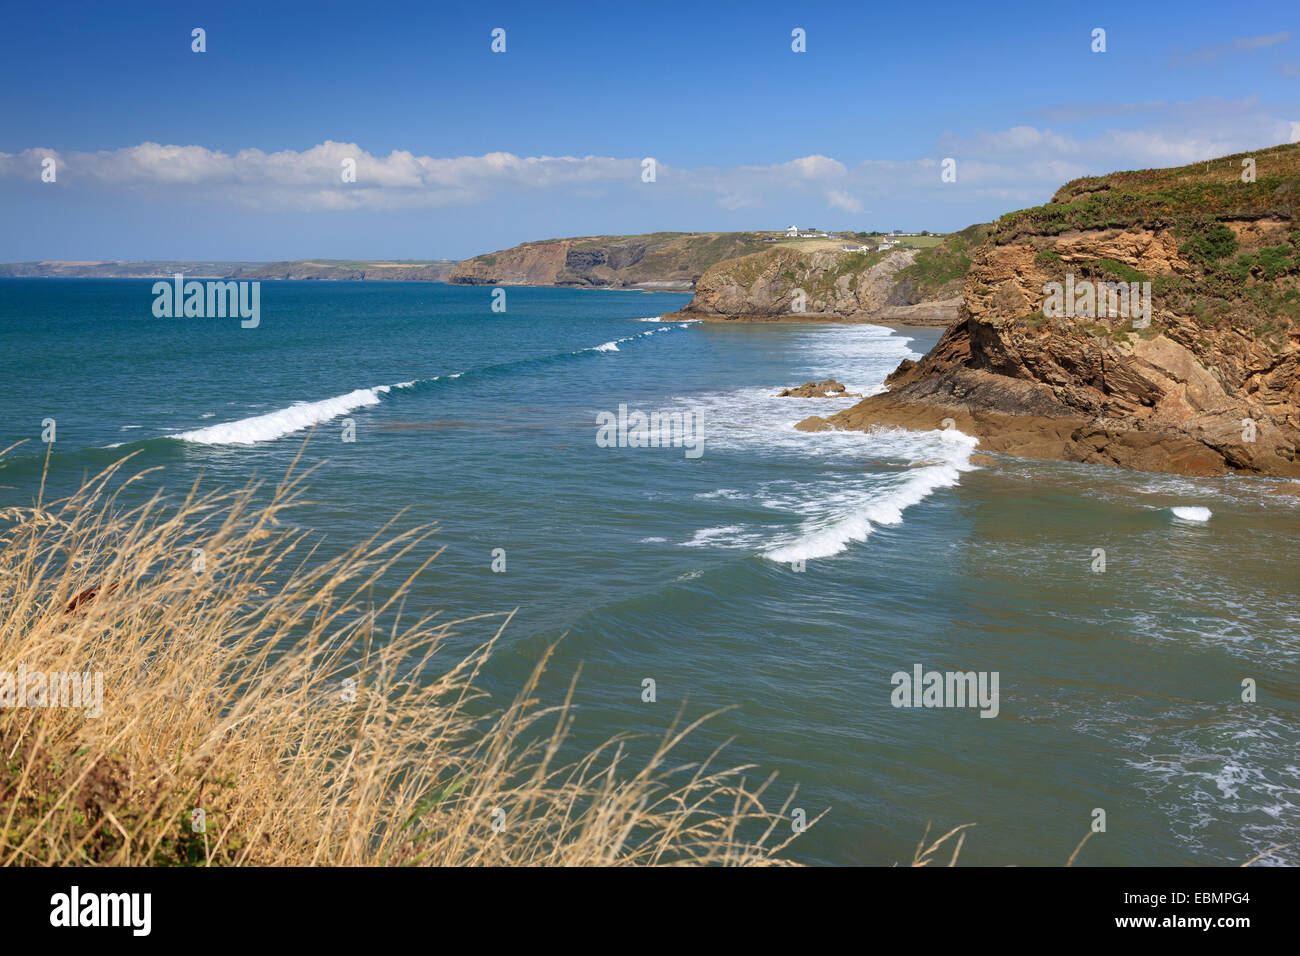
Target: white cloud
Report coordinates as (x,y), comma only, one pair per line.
(1215,52)
(839,199)
(1171,135)
(1019,165)
(813,167)
(1255,43)
(312,178)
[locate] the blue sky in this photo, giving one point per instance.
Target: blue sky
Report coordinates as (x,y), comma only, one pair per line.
(461,151)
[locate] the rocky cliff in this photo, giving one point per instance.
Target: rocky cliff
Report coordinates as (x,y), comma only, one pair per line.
(1048,359)
(818,281)
(663,261)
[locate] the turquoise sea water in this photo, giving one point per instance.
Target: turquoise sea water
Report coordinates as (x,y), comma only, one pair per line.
(1117,690)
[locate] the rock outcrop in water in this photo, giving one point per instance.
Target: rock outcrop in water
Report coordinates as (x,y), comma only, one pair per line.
(1212,385)
(827,389)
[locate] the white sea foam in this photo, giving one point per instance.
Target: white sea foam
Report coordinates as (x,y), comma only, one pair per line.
(613,346)
(846,522)
(1192,513)
(1214,774)
(681,323)
(259,428)
(731,493)
(302,415)
(852,481)
(730,536)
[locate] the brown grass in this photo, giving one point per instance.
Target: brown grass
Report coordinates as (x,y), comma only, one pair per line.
(228,690)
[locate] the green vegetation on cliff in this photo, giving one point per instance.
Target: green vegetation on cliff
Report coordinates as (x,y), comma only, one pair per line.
(1186,197)
(938,271)
(1255,293)
(1230,219)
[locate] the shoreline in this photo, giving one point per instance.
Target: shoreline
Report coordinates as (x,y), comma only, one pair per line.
(1069,438)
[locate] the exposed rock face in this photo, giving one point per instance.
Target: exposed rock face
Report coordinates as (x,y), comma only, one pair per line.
(790,283)
(942,312)
(819,282)
(1213,385)
(581,261)
(536,263)
(669,262)
(827,389)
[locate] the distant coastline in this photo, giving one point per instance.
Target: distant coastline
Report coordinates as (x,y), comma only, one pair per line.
(427,270)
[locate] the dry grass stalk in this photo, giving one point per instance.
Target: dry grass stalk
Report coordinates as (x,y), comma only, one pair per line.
(229,690)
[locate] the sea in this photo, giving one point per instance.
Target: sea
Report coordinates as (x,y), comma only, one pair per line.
(1141,632)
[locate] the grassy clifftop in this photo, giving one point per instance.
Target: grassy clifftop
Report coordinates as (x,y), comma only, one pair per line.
(938,271)
(1178,197)
(1232,258)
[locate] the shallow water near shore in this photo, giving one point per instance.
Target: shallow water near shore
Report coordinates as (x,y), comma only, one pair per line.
(1120,688)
